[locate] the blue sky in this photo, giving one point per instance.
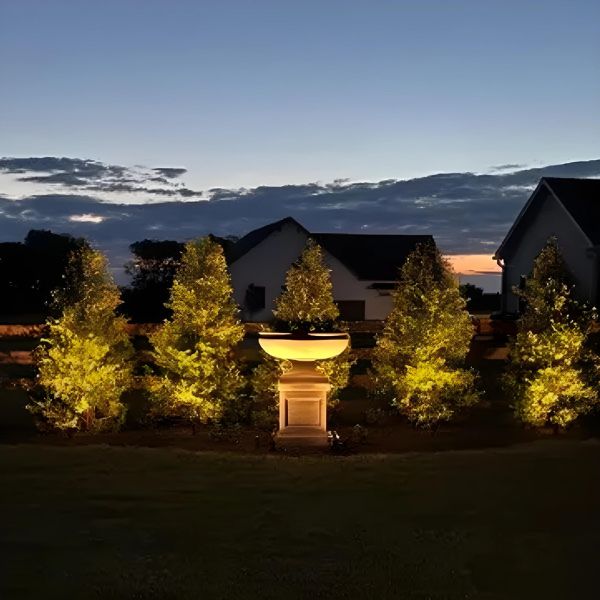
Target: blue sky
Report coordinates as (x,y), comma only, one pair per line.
(426,116)
(274,92)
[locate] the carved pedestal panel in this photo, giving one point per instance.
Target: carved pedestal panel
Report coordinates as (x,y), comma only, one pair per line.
(303,406)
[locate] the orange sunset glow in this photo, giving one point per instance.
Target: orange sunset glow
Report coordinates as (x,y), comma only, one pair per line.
(473,264)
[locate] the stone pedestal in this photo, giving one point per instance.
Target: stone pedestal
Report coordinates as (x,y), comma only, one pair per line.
(303,390)
(303,406)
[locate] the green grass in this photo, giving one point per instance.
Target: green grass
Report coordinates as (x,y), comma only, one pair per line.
(106,522)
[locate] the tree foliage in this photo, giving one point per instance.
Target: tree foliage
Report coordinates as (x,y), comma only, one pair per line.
(472,294)
(419,356)
(152,271)
(305,305)
(552,366)
(199,378)
(307,301)
(84,362)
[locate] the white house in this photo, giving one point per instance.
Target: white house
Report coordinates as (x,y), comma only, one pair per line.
(568,209)
(363,268)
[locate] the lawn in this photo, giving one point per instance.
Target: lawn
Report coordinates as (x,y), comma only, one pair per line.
(108,522)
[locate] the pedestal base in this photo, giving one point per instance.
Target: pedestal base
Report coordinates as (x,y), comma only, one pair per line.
(301,437)
(303,406)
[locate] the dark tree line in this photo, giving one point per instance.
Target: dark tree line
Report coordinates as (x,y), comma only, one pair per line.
(32,272)
(152,270)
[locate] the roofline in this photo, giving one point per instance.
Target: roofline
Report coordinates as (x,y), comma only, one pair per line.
(353,271)
(543,182)
(497,254)
(402,235)
(281,221)
(309,234)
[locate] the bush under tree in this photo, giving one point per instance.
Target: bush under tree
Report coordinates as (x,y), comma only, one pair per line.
(553,369)
(305,305)
(198,378)
(419,357)
(84,363)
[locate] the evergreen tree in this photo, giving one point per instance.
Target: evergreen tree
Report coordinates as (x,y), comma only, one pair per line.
(305,305)
(194,350)
(420,355)
(552,367)
(84,363)
(307,301)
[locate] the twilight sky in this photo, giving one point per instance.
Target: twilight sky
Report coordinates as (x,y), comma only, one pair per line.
(246,93)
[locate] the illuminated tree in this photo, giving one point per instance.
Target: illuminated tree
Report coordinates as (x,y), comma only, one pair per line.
(552,369)
(305,305)
(84,362)
(307,301)
(199,378)
(420,355)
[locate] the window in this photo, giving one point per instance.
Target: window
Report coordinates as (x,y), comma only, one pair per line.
(351,310)
(255,298)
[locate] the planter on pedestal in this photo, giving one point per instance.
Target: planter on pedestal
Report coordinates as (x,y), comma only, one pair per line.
(303,390)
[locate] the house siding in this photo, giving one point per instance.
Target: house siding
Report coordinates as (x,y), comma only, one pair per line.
(268,262)
(266,265)
(550,219)
(347,287)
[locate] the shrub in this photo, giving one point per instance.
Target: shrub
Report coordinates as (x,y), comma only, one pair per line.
(84,362)
(198,378)
(307,303)
(419,356)
(552,367)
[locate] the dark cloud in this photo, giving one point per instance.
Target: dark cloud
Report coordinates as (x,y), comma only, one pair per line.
(94,176)
(465,212)
(83,168)
(170,172)
(68,179)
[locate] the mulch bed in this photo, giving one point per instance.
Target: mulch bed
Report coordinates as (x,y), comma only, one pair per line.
(380,439)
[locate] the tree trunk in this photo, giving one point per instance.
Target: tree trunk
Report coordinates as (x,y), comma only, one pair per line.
(89,419)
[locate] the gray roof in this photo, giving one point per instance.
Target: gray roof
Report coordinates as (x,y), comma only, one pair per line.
(579,197)
(369,256)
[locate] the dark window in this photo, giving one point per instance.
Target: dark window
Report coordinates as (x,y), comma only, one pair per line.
(255,298)
(351,310)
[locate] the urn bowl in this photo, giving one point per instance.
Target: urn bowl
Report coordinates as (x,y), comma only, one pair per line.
(306,347)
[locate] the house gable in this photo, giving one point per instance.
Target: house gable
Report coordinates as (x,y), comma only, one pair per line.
(360,264)
(264,264)
(543,217)
(580,200)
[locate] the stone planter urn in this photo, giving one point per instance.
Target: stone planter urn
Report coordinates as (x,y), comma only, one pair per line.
(303,390)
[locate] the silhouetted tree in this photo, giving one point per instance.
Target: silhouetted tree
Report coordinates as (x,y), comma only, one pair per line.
(472,294)
(31,271)
(152,270)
